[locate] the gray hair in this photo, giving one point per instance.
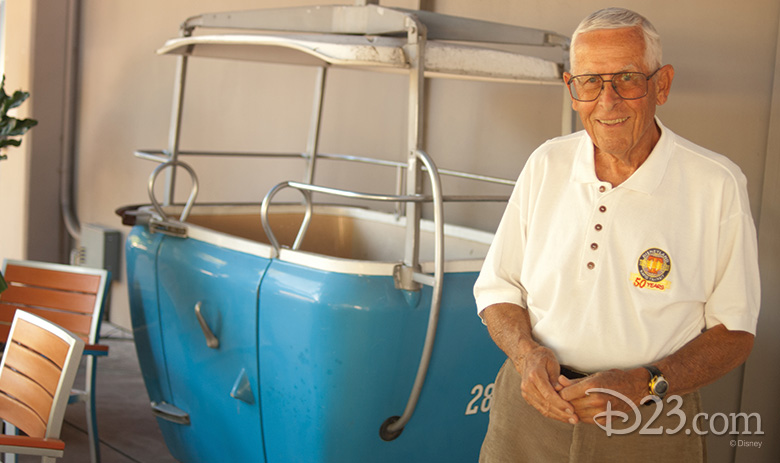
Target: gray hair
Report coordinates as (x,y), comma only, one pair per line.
(618,18)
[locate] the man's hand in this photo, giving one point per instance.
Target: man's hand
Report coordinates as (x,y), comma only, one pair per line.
(541,382)
(510,327)
(632,384)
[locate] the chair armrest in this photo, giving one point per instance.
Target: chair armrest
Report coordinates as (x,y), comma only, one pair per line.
(96,350)
(23,442)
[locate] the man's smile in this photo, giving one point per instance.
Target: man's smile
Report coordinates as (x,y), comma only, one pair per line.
(613,121)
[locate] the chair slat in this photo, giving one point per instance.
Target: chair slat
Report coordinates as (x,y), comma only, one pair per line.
(7,312)
(55,279)
(53,299)
(43,342)
(21,417)
(78,324)
(27,392)
(33,365)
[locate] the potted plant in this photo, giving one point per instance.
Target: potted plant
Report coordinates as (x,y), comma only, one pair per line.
(11,127)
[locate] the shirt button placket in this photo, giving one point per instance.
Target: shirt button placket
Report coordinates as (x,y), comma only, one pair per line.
(594,246)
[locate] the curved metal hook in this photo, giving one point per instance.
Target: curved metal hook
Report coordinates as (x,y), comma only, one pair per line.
(267,225)
(193,191)
(393,426)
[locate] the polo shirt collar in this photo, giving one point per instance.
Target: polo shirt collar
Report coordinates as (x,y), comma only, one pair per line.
(646,179)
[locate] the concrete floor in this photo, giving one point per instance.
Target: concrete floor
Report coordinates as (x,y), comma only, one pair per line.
(128,431)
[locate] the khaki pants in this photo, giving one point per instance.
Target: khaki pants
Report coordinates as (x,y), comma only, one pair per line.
(519,433)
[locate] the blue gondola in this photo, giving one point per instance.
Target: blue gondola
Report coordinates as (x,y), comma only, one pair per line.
(310,332)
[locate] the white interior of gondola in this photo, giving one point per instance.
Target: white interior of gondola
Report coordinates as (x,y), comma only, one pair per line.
(336,233)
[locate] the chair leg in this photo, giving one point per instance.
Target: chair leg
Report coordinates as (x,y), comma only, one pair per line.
(9,430)
(91,412)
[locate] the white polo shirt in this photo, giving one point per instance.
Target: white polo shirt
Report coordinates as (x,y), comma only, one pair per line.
(621,277)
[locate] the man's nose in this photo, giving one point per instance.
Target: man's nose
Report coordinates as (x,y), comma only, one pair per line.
(609,95)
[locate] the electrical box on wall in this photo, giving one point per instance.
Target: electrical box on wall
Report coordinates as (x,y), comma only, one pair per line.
(99,247)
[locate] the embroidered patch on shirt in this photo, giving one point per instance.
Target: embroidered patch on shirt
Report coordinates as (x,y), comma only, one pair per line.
(654,266)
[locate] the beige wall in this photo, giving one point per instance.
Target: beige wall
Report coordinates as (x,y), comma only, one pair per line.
(724,54)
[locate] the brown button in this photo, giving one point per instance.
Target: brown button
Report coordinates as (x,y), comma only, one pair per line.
(602,189)
(603,208)
(598,227)
(594,246)
(591,265)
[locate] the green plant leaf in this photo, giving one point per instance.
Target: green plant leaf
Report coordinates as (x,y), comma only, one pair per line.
(9,142)
(11,126)
(18,98)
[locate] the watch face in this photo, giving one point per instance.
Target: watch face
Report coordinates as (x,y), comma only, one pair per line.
(661,387)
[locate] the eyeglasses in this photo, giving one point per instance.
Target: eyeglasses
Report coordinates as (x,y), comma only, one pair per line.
(628,85)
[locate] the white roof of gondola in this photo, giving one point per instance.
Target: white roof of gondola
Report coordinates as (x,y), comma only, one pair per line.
(442,59)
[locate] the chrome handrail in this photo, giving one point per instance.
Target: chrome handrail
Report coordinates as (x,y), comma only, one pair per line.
(351,194)
(163,156)
(393,427)
(193,191)
(267,225)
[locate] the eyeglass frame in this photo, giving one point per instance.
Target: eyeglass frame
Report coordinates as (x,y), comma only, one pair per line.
(604,81)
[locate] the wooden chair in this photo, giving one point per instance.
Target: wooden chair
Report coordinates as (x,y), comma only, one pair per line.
(71,297)
(36,374)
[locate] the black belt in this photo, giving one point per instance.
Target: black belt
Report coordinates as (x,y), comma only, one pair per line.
(572,374)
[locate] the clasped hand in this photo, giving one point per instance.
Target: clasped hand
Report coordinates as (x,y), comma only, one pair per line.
(568,401)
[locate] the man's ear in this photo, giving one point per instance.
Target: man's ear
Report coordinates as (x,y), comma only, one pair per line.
(664,84)
(566,77)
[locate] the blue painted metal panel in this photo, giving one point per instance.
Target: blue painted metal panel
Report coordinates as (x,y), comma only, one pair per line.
(325,357)
(225,283)
(141,249)
(141,255)
(338,355)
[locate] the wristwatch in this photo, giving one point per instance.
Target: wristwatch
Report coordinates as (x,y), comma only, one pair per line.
(658,384)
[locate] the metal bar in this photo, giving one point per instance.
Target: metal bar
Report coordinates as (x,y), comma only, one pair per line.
(267,224)
(154,155)
(174,133)
(160,156)
(193,191)
(399,188)
(67,175)
(314,128)
(362,159)
(389,198)
(357,195)
(482,178)
(445,172)
(394,428)
(416,36)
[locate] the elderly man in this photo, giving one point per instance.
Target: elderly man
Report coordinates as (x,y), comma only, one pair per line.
(624,271)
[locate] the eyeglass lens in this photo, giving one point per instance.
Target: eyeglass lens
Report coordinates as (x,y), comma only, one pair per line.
(628,85)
